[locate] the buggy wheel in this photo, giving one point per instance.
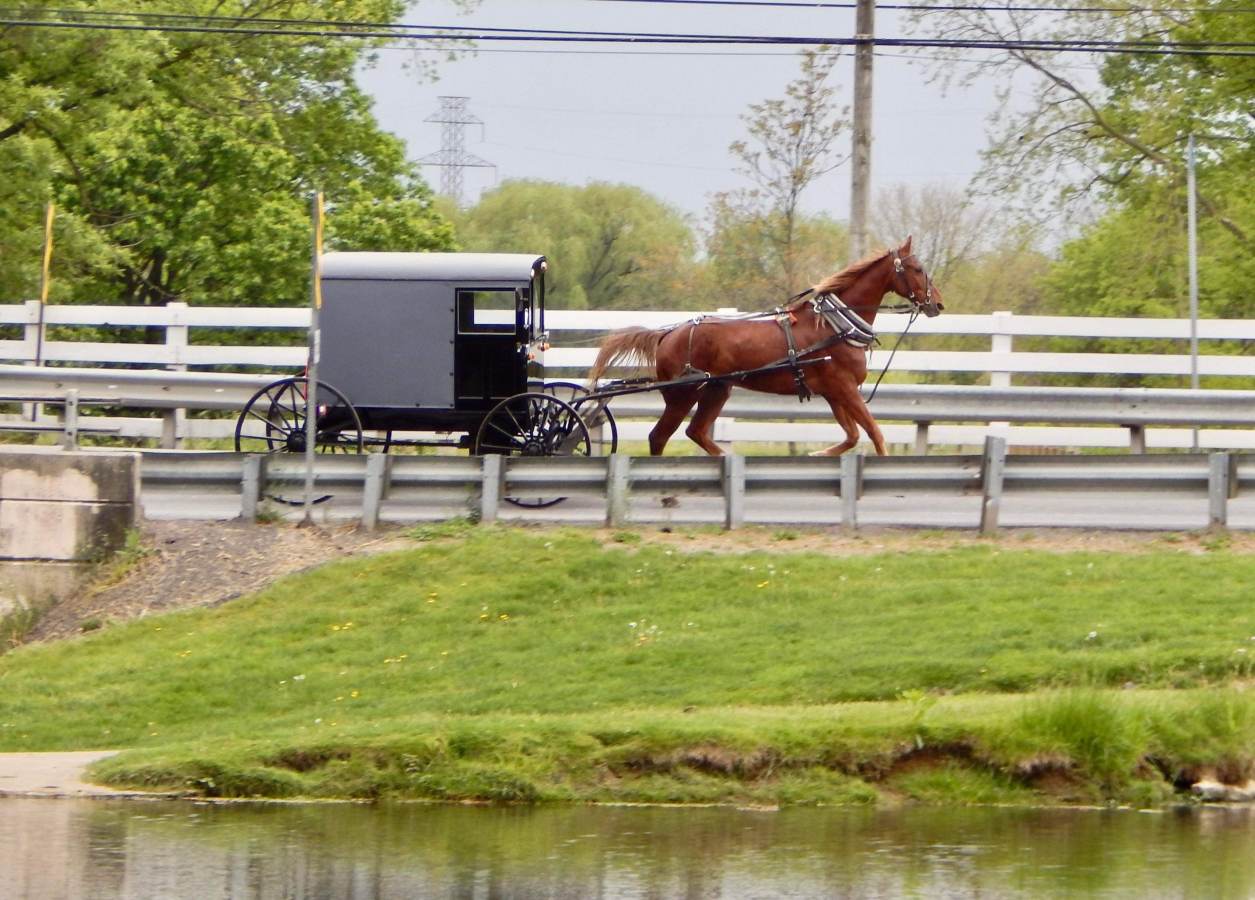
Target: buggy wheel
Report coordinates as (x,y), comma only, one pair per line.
(274,420)
(596,414)
(533,424)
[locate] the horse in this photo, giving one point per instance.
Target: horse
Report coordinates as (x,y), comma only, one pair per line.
(812,345)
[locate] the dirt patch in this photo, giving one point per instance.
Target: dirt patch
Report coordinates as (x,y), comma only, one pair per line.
(189,564)
(834,541)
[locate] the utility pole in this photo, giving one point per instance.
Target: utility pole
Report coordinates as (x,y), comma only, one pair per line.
(452,156)
(861,154)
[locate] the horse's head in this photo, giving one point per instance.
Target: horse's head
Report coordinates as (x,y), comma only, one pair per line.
(912,282)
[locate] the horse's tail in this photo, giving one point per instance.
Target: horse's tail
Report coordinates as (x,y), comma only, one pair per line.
(640,345)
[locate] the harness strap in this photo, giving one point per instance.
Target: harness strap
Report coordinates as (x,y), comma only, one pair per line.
(784,320)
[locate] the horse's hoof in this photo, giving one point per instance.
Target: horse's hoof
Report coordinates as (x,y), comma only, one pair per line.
(818,453)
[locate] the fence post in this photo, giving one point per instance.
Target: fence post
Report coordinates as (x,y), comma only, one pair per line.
(69,420)
(617,468)
(993,465)
(1137,438)
(251,481)
(377,465)
(733,491)
(492,474)
(30,341)
(851,487)
(1217,490)
(1000,341)
(172,424)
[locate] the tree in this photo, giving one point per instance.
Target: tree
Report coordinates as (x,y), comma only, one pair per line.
(950,227)
(791,144)
(743,264)
(181,162)
(1083,138)
(610,246)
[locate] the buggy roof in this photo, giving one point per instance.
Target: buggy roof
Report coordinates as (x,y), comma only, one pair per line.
(469,267)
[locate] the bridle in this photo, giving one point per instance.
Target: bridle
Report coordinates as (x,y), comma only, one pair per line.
(902,284)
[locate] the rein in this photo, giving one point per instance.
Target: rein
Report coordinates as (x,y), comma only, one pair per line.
(889,361)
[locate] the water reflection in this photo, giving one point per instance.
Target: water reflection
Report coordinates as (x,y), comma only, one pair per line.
(99,849)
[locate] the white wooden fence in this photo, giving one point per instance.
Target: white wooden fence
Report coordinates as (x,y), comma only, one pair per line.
(570,356)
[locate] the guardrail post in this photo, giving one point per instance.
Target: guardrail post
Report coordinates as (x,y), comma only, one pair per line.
(617,482)
(733,491)
(1217,490)
(491,476)
(993,465)
(851,488)
(377,466)
(1137,438)
(921,438)
(251,484)
(69,420)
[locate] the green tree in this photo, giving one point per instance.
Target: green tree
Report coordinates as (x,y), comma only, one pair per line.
(791,144)
(181,162)
(744,266)
(611,246)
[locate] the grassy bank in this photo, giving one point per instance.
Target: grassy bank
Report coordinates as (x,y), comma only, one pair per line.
(504,664)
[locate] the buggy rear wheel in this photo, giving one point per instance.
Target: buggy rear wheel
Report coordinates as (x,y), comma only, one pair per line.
(274,420)
(533,424)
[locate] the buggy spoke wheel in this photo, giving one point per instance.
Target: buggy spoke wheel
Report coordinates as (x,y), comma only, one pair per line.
(603,431)
(533,424)
(273,420)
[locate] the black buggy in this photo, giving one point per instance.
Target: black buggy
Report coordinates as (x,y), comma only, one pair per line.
(430,349)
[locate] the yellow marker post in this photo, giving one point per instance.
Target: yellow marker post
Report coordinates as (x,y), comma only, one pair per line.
(315,350)
(45,277)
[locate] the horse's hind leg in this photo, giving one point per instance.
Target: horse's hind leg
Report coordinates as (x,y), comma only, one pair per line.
(713,397)
(679,401)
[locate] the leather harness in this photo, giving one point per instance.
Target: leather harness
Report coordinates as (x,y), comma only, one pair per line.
(847,326)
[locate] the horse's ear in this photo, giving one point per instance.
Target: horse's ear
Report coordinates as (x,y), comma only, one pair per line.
(906,246)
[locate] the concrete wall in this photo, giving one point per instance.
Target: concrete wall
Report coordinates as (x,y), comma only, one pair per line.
(60,511)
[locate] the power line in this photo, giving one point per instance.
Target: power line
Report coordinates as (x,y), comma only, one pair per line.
(427,32)
(929,7)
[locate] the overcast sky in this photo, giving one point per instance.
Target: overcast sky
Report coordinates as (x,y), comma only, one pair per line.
(662,119)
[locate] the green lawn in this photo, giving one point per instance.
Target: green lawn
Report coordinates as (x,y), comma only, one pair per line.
(548,666)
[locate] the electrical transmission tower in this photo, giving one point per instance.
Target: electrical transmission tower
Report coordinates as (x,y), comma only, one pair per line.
(452,156)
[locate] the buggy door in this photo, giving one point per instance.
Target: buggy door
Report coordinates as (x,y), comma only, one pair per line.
(490,361)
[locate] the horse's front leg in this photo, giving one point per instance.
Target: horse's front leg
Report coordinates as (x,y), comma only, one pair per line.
(842,416)
(850,411)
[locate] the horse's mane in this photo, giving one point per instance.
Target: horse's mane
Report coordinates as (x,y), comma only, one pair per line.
(835,284)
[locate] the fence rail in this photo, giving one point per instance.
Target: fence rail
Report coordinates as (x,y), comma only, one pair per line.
(1124,419)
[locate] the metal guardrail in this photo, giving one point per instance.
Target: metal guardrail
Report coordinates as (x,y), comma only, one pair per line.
(478,484)
(1133,409)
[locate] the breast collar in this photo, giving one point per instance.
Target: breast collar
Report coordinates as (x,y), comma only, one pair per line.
(844,321)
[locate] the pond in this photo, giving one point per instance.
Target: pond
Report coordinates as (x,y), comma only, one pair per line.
(165,849)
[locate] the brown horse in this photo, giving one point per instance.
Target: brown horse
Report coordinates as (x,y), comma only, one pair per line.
(808,328)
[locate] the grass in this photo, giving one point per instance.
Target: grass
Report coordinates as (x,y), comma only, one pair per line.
(502,664)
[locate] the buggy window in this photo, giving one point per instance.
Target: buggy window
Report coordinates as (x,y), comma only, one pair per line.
(487,311)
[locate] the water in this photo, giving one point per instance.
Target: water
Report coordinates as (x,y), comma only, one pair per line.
(108,849)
